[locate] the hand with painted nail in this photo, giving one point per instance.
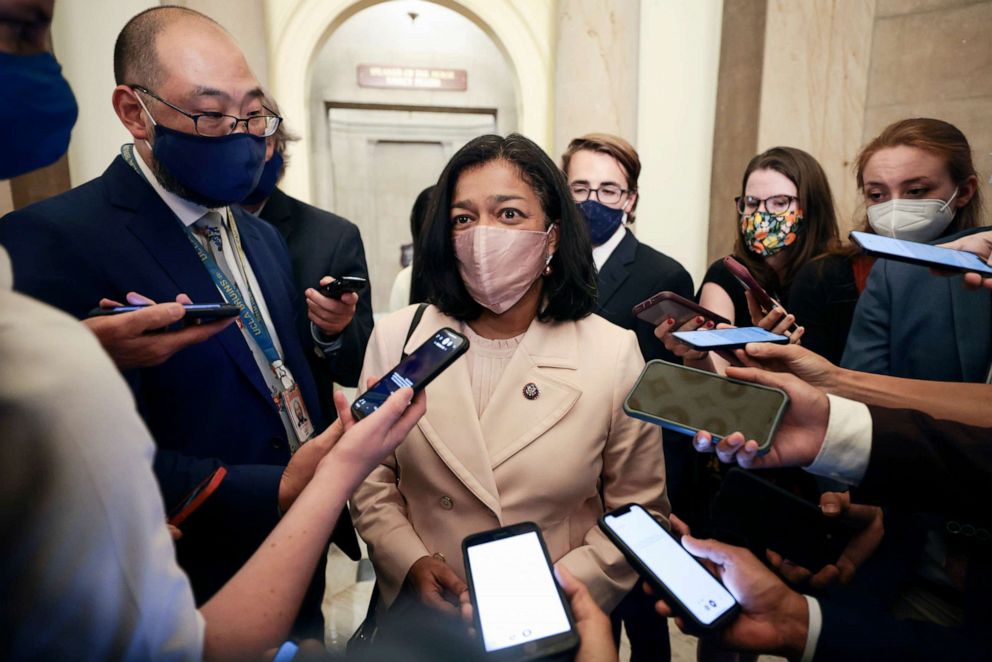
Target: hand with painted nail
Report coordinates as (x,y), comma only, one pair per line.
(799,435)
(869,523)
(777,320)
(663,333)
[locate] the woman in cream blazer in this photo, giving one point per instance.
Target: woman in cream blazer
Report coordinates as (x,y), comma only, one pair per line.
(552,444)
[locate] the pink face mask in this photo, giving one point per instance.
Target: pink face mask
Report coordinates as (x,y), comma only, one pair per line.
(498,265)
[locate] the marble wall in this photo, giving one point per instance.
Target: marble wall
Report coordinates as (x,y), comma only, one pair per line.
(596,70)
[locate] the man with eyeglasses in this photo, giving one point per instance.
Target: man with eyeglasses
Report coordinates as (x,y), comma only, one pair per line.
(602,172)
(161,221)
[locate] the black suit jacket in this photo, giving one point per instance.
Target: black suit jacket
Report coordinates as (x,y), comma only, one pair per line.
(922,464)
(633,273)
(324,244)
(206,406)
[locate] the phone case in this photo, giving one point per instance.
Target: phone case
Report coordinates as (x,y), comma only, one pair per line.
(673,601)
(461,349)
(555,645)
(663,305)
(783,340)
(744,277)
(751,512)
(632,411)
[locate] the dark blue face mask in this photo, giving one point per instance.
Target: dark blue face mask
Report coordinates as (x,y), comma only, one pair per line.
(267,182)
(37,112)
(601,220)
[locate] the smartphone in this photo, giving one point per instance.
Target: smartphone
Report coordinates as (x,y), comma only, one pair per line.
(924,255)
(686,399)
(417,370)
(663,305)
(687,586)
(339,286)
(751,512)
(520,611)
(728,338)
(196,497)
(196,313)
(744,277)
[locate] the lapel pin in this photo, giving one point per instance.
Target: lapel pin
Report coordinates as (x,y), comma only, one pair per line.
(531,391)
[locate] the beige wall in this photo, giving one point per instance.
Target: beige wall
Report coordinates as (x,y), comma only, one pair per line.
(83,34)
(947,74)
(245,19)
(596,67)
(679,55)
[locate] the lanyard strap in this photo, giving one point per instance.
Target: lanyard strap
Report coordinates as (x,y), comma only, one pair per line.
(250,315)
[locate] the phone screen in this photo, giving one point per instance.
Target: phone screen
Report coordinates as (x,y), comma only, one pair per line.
(515,592)
(425,362)
(728,337)
(897,248)
(674,567)
(688,400)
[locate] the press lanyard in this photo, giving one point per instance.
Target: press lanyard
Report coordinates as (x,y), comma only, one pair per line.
(250,313)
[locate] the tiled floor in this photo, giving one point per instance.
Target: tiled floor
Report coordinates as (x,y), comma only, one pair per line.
(346,602)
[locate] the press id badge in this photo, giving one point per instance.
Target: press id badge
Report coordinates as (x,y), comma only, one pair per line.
(296,409)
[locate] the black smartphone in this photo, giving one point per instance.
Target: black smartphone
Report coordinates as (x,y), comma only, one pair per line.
(196,313)
(339,286)
(728,338)
(196,497)
(416,371)
(520,611)
(924,255)
(687,586)
(685,399)
(751,512)
(663,305)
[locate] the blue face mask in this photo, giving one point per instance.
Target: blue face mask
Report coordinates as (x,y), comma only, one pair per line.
(267,182)
(37,112)
(217,170)
(602,221)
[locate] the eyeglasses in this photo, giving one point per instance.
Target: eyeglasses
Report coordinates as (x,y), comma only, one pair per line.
(607,194)
(776,204)
(216,125)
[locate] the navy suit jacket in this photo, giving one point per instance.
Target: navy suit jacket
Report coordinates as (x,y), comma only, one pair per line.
(206,406)
(633,273)
(324,244)
(910,323)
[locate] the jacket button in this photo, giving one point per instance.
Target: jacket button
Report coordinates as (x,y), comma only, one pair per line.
(447,502)
(439,557)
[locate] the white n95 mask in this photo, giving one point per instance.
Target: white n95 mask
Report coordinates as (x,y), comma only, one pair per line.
(912,220)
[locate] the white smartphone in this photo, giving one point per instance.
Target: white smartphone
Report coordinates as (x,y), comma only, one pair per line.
(520,611)
(689,587)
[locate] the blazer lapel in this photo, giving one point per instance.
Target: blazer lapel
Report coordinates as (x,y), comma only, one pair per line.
(452,429)
(277,212)
(616,269)
(155,226)
(512,421)
(972,314)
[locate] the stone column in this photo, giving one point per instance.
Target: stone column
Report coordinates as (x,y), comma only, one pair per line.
(596,70)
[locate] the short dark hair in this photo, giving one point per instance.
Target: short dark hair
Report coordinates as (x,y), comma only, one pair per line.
(818,234)
(569,293)
(135,54)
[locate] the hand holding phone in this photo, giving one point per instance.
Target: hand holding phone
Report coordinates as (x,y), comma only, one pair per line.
(195,313)
(750,283)
(686,400)
(339,286)
(668,305)
(688,587)
(520,612)
(728,339)
(415,371)
(192,501)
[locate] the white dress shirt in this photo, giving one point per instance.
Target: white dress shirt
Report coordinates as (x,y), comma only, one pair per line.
(602,253)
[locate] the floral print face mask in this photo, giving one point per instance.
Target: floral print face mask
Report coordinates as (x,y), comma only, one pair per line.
(766,233)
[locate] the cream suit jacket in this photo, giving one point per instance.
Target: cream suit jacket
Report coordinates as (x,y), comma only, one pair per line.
(553,460)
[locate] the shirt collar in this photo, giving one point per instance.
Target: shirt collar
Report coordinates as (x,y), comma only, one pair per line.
(602,253)
(187,212)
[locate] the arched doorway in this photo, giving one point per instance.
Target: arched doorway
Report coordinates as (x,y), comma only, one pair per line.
(386,114)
